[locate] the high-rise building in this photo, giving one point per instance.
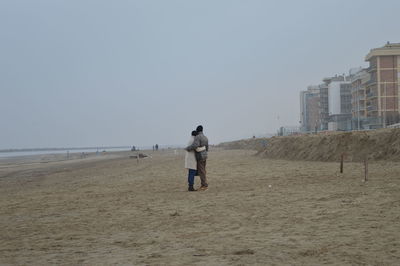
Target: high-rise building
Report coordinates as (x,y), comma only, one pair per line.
(339,97)
(335,103)
(382,89)
(358,99)
(309,109)
(324,105)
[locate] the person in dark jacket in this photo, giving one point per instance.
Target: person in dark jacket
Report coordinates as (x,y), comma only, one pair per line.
(200,146)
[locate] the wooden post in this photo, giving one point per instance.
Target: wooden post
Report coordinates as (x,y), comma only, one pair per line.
(341,162)
(137,157)
(365,170)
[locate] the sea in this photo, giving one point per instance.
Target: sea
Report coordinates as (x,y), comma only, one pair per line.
(18,153)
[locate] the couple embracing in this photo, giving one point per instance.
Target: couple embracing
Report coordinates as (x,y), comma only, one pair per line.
(196,157)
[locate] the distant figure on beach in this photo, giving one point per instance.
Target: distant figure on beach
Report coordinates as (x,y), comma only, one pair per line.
(200,147)
(156,147)
(191,163)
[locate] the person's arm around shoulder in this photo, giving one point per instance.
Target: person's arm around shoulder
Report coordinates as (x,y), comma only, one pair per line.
(194,145)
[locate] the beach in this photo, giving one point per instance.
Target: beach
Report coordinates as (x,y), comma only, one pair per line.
(112,209)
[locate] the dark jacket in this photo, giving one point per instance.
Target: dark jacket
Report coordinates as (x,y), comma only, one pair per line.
(199,141)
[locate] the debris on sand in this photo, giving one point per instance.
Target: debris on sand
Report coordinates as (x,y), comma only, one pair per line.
(175,214)
(244,252)
(141,155)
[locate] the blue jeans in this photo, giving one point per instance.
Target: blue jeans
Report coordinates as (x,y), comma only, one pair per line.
(191,174)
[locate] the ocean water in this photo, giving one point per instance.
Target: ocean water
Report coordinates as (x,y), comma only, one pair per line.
(42,152)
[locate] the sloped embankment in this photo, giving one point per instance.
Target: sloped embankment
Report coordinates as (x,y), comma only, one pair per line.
(383,144)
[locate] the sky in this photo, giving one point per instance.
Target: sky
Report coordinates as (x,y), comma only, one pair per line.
(86,73)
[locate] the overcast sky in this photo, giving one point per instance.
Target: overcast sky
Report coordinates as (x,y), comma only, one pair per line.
(91,73)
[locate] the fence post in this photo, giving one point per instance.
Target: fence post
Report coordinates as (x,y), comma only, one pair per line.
(365,169)
(341,162)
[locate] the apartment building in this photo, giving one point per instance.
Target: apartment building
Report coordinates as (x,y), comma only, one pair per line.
(335,103)
(358,99)
(324,104)
(339,97)
(324,100)
(382,88)
(309,109)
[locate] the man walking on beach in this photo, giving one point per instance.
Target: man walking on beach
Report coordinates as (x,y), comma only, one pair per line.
(200,146)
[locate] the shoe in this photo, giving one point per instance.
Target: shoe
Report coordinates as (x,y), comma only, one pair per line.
(202,188)
(191,188)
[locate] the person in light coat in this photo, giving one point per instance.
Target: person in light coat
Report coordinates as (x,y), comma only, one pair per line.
(191,163)
(200,147)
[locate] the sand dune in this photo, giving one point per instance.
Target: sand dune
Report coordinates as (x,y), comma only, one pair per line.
(383,144)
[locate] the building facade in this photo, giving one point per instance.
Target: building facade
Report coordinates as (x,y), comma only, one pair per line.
(358,99)
(309,109)
(339,96)
(335,103)
(324,104)
(382,89)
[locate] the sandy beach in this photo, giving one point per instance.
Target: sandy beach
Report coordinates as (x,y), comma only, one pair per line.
(259,211)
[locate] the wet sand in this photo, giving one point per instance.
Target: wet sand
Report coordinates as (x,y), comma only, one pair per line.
(257,211)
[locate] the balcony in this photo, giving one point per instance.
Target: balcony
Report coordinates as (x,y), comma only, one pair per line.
(371,69)
(356,109)
(355,89)
(370,82)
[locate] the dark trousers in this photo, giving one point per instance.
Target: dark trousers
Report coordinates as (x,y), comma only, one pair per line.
(201,168)
(191,174)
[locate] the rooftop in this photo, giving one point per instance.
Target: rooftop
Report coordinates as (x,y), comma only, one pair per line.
(387,49)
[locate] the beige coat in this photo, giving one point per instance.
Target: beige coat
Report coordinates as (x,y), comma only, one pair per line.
(190,157)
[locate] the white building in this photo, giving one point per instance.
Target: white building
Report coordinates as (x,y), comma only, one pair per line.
(339,97)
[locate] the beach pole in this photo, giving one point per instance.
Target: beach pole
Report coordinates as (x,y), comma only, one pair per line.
(137,157)
(365,170)
(341,163)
